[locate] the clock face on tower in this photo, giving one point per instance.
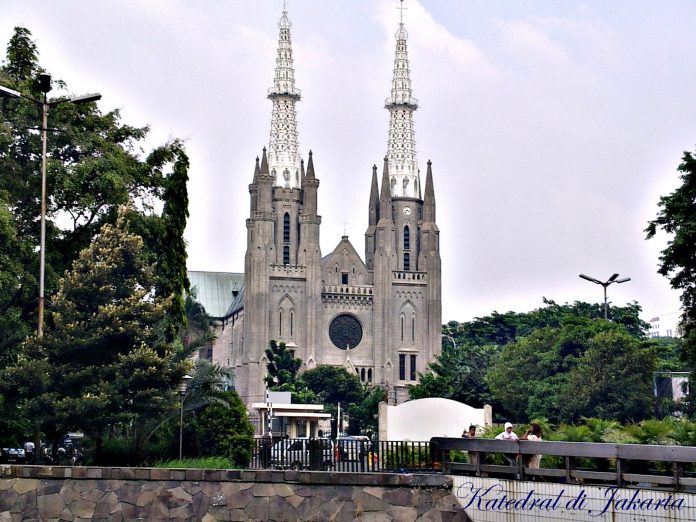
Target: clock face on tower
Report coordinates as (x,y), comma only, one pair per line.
(407,211)
(345,331)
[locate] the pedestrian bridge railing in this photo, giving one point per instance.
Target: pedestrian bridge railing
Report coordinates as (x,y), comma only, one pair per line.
(671,467)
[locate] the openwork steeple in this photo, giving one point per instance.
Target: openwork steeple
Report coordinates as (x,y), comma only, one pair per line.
(401,151)
(283,153)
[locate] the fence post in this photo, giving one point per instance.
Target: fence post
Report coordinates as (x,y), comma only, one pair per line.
(619,472)
(678,472)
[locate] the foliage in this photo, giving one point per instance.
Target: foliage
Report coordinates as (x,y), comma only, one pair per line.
(677,217)
(93,168)
(332,384)
(102,361)
(584,368)
(282,366)
(199,463)
(95,165)
(223,429)
(364,414)
(464,371)
(458,373)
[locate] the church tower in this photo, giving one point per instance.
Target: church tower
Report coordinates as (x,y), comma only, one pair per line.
(282,271)
(402,245)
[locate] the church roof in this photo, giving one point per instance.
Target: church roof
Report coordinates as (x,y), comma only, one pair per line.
(214,290)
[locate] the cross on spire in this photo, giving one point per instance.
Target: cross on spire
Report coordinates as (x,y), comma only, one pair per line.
(345,224)
(401,11)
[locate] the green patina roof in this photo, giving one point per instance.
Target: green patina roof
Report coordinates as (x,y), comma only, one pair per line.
(214,290)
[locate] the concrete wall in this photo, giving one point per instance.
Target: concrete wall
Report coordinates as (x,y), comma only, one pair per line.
(86,493)
(481,498)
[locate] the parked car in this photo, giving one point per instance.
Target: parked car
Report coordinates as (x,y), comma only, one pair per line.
(12,455)
(352,448)
(303,454)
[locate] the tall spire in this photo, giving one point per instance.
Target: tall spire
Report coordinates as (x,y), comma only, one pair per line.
(429,201)
(283,153)
(401,151)
(385,199)
(373,210)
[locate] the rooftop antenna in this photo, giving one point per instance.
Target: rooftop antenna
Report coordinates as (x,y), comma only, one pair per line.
(401,11)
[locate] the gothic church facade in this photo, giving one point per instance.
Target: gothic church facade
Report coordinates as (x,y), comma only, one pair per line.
(379,317)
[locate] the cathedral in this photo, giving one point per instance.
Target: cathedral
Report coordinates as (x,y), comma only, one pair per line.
(379,317)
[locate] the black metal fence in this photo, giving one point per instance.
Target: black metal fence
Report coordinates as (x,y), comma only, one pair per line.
(349,454)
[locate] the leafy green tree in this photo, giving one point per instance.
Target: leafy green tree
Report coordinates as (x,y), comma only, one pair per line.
(282,367)
(591,368)
(14,254)
(332,385)
(222,428)
(612,379)
(458,373)
(94,166)
(677,217)
(364,414)
(103,355)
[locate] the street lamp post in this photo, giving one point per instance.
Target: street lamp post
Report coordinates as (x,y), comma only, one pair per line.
(605,284)
(45,87)
(182,393)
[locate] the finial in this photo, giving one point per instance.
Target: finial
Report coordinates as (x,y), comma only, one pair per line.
(401,12)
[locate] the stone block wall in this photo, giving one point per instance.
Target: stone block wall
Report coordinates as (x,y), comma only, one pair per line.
(90,493)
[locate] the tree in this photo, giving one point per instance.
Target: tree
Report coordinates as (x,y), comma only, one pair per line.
(458,373)
(612,380)
(93,168)
(591,368)
(223,428)
(282,367)
(103,356)
(95,165)
(364,415)
(677,217)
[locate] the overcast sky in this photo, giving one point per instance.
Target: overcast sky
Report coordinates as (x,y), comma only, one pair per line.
(553,127)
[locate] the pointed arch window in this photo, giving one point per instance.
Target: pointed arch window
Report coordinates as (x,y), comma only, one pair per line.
(286,228)
(286,239)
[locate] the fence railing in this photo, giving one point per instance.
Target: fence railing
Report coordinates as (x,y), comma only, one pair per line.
(344,455)
(582,462)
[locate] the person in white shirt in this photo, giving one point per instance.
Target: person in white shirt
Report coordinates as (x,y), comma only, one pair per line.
(29,447)
(508,434)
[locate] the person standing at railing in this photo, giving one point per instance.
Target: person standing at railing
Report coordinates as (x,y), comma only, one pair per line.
(533,433)
(508,434)
(471,434)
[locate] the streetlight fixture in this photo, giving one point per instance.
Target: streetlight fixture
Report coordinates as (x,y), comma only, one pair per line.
(183,386)
(605,284)
(45,87)
(448,336)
